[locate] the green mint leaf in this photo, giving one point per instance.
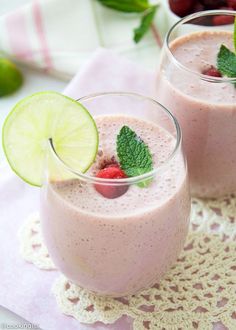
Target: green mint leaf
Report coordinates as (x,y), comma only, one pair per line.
(235,34)
(134,155)
(145,24)
(128,6)
(226,62)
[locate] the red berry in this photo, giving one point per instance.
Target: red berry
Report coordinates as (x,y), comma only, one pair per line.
(213,4)
(111,191)
(110,163)
(181,7)
(223,19)
(197,7)
(231,4)
(212,71)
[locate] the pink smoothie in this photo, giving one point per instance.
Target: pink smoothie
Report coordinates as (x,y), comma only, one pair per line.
(119,246)
(205,110)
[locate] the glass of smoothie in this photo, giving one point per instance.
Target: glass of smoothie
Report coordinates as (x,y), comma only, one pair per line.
(112,233)
(203,100)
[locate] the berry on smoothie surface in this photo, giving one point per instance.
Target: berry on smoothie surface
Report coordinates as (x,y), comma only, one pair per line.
(111,172)
(111,162)
(212,71)
(222,19)
(135,159)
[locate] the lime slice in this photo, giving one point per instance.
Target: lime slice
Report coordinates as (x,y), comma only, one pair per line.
(36,119)
(10,77)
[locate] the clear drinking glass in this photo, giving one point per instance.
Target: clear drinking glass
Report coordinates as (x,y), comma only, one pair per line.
(118,246)
(204,105)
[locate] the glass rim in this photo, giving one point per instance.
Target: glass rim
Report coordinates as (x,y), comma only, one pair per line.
(129,180)
(185,20)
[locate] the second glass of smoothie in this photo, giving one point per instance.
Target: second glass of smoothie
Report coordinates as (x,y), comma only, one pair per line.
(203,101)
(120,243)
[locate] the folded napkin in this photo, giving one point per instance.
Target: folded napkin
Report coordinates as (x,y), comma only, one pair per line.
(59,36)
(25,289)
(106,72)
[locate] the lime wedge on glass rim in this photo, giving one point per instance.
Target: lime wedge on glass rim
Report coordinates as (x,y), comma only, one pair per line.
(43,116)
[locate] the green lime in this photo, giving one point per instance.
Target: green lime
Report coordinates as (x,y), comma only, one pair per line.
(36,119)
(10,77)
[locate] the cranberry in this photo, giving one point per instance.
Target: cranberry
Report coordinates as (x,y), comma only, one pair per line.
(212,71)
(213,4)
(231,4)
(181,7)
(198,7)
(111,191)
(223,19)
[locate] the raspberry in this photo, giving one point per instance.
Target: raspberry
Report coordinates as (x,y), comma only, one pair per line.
(223,19)
(212,71)
(231,4)
(111,191)
(181,7)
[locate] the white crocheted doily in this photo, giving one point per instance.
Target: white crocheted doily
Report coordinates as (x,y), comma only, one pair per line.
(32,247)
(199,291)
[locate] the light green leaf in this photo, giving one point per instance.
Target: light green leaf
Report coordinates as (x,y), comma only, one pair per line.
(226,62)
(145,24)
(134,155)
(128,6)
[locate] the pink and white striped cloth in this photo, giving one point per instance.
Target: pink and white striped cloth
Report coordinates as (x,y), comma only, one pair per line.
(59,35)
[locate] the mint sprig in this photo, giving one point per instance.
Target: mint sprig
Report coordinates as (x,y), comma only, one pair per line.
(147,10)
(145,24)
(128,6)
(226,62)
(134,155)
(226,59)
